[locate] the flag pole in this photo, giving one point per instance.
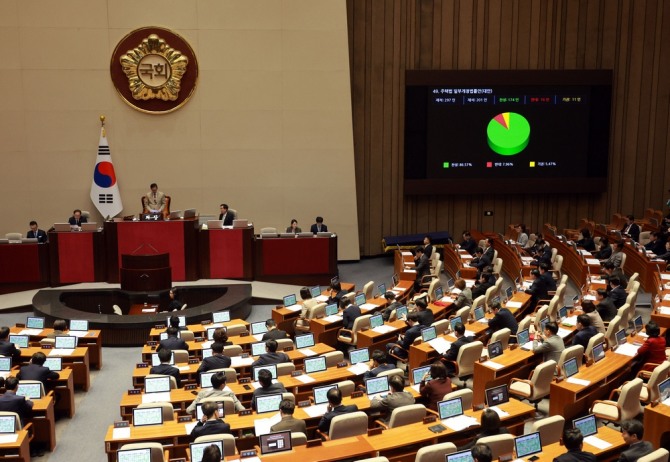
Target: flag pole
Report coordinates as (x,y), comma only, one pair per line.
(102,125)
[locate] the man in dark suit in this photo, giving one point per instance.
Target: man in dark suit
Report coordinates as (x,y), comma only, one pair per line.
(632,432)
(350,311)
(266,386)
(378,363)
(76,219)
(631,229)
(543,254)
(573,440)
(480,261)
(11,402)
(422,266)
(401,347)
(172,342)
(452,353)
(217,361)
(396,398)
(428,247)
(36,233)
(7,348)
(612,272)
(35,370)
(488,249)
(656,243)
(584,331)
(164,368)
(288,422)
(318,227)
(605,307)
(468,244)
(618,295)
(546,276)
(211,424)
(538,289)
(225,216)
(273,332)
(485,281)
(271,356)
(426,316)
(335,408)
(502,318)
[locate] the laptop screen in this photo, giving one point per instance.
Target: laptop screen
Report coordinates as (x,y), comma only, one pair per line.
(523,337)
(54,363)
(30,390)
(587,425)
(598,352)
(563,312)
(258,328)
(496,396)
(317,364)
(620,337)
(290,300)
(664,389)
(509,292)
(395,279)
(321,393)
(382,289)
(454,321)
(268,403)
(207,352)
(182,320)
(5,363)
(304,341)
(33,322)
(221,316)
(275,442)
(376,321)
(543,323)
(360,299)
(463,456)
(495,349)
(637,322)
(315,291)
(450,408)
(570,366)
(20,341)
(164,335)
(257,348)
(401,312)
(526,445)
(79,325)
(7,424)
(134,455)
(359,356)
(206,379)
(439,293)
(377,385)
(418,373)
(479,313)
(331,309)
(428,334)
(155,361)
(156,384)
(270,367)
(210,332)
(147,416)
(197,449)
(450,283)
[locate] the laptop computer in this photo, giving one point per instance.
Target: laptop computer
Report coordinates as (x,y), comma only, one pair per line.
(527,445)
(359,299)
(155,361)
(66,341)
(455,320)
(258,328)
(321,393)
(147,416)
(190,213)
(290,300)
(207,352)
(29,390)
(134,455)
(7,424)
(270,367)
(509,292)
(570,367)
(241,223)
(495,396)
(377,386)
(34,322)
(543,323)
(450,408)
(418,373)
(439,293)
(221,316)
(182,320)
(317,364)
(62,227)
(620,337)
(315,291)
(271,443)
(462,456)
(20,341)
(331,309)
(206,379)
(382,289)
(598,352)
(664,389)
(637,323)
(401,312)
(268,403)
(79,325)
(479,313)
(360,355)
(54,363)
(304,341)
(197,449)
(210,332)
(587,425)
(451,283)
(5,364)
(495,349)
(175,215)
(157,384)
(395,279)
(376,321)
(563,312)
(214,224)
(428,334)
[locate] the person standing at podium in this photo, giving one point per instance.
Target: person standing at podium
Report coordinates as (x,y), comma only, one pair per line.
(36,233)
(155,199)
(76,219)
(225,216)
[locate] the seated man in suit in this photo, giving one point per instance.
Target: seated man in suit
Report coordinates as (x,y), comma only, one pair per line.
(401,347)
(76,219)
(225,216)
(174,322)
(288,422)
(378,363)
(211,423)
(392,304)
(217,391)
(618,295)
(173,342)
(545,274)
(350,312)
(573,440)
(165,368)
(502,318)
(336,293)
(35,370)
(396,398)
(154,201)
(335,408)
(632,432)
(318,227)
(584,331)
(538,289)
(452,353)
(36,233)
(480,261)
(267,387)
(422,266)
(543,254)
(549,343)
(631,229)
(656,243)
(273,332)
(484,282)
(217,361)
(425,314)
(7,348)
(610,271)
(11,402)
(605,307)
(271,356)
(617,255)
(468,244)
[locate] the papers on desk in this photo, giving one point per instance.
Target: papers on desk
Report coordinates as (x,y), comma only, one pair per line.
(665,276)
(368,306)
(493,364)
(5,374)
(237,361)
(666,401)
(358,369)
(447,299)
(155,397)
(469,333)
(563,332)
(527,346)
(322,298)
(590,297)
(410,270)
(148,310)
(78,333)
(440,344)
(383,329)
(405,253)
(304,378)
(570,321)
(296,307)
(584,252)
(262,426)
(627,349)
(664,310)
(594,441)
(592,261)
(183,368)
(61,352)
(258,337)
(30,332)
(216,324)
(333,318)
(187,427)
(9,438)
(317,410)
(499,411)
(207,344)
(465,256)
(511,304)
(483,321)
(307,352)
(469,283)
(576,381)
(526,260)
(416,387)
(643,334)
(526,284)
(460,422)
(123,433)
(666,297)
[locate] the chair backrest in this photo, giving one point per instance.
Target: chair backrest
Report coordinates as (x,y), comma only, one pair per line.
(228,403)
(524,324)
(285,368)
(431,288)
(351,296)
(117,310)
(497,265)
(229,448)
(236,329)
(166,408)
(629,399)
(560,292)
(368,288)
(156,450)
(659,455)
(623,261)
(391,372)
(503,336)
(298,439)
(436,269)
(554,252)
(16,416)
(465,312)
(659,374)
(553,307)
(232,350)
(48,341)
(612,329)
(360,323)
(541,314)
(593,341)
(173,381)
(490,294)
(477,302)
(563,280)
(180,356)
(284,343)
(468,354)
(541,379)
(574,351)
(350,424)
(14,236)
(550,428)
(500,445)
(406,415)
(346,387)
(333,357)
(635,277)
(231,374)
(441,326)
(187,336)
(558,264)
(434,452)
(464,393)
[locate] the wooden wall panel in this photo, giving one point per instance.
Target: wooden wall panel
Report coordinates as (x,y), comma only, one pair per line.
(388,37)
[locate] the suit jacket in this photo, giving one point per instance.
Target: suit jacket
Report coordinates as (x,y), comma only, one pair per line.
(583,336)
(549,281)
(272,389)
(544,257)
(422,267)
(411,334)
(587,244)
(377,370)
(618,296)
(73,221)
(211,427)
(349,316)
(315,228)
(657,246)
(227,219)
(617,273)
(604,253)
(41,235)
(469,246)
(633,231)
(635,451)
(433,392)
(503,318)
(606,309)
(391,402)
(173,343)
(615,259)
(538,291)
(481,262)
(274,334)
(480,289)
(155,203)
(291,230)
(271,358)
(576,456)
(428,250)
(214,393)
(490,253)
(288,422)
(426,317)
(324,424)
(464,298)
(215,361)
(551,348)
(597,321)
(452,353)
(7,348)
(35,372)
(11,402)
(166,369)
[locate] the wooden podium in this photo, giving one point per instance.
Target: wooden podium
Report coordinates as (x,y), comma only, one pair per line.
(146,273)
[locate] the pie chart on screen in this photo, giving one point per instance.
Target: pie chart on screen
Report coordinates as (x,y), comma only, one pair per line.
(508,133)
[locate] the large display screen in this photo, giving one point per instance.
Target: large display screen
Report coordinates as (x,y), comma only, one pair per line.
(507,131)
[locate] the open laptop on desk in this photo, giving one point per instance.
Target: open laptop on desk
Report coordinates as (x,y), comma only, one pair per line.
(462,456)
(527,445)
(62,227)
(135,455)
(271,443)
(377,387)
(198,449)
(320,399)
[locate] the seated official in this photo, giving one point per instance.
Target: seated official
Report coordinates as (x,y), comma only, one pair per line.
(401,347)
(432,391)
(596,321)
(175,322)
(318,227)
(36,233)
(631,229)
(605,306)
(173,342)
(273,332)
(480,261)
(538,289)
(549,343)
(481,453)
(468,244)
(545,274)
(604,250)
(618,295)
(586,242)
(397,397)
(584,331)
(464,298)
(392,304)
(288,422)
(543,254)
(267,387)
(155,200)
(335,408)
(522,235)
(484,282)
(226,216)
(617,255)
(217,391)
(76,219)
(217,361)
(426,316)
(59,328)
(271,356)
(653,348)
(336,293)
(350,312)
(308,302)
(35,370)
(379,363)
(422,266)
(656,243)
(490,426)
(452,353)
(610,272)
(573,440)
(211,423)
(632,432)
(502,318)
(11,402)
(175,304)
(165,368)
(294,228)
(221,336)
(7,348)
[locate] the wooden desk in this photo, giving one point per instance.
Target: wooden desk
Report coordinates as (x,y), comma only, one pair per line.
(24,263)
(77,257)
(610,435)
(401,259)
(44,422)
(656,423)
(517,363)
(423,353)
(63,388)
(18,451)
(372,339)
(78,361)
(199,330)
(226,253)
(92,340)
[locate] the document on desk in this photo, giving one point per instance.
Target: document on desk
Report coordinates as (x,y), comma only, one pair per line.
(493,364)
(304,378)
(627,349)
(258,337)
(183,368)
(666,297)
(597,442)
(187,427)
(155,397)
(563,332)
(664,310)
(570,321)
(665,276)
(460,422)
(123,433)
(358,369)
(317,410)
(469,333)
(439,344)
(586,253)
(590,297)
(32,332)
(511,304)
(528,346)
(410,270)
(368,306)
(262,426)
(405,253)
(9,438)
(333,318)
(499,411)
(307,352)
(294,308)
(577,381)
(237,361)
(383,329)
(61,352)
(207,344)
(592,261)
(148,310)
